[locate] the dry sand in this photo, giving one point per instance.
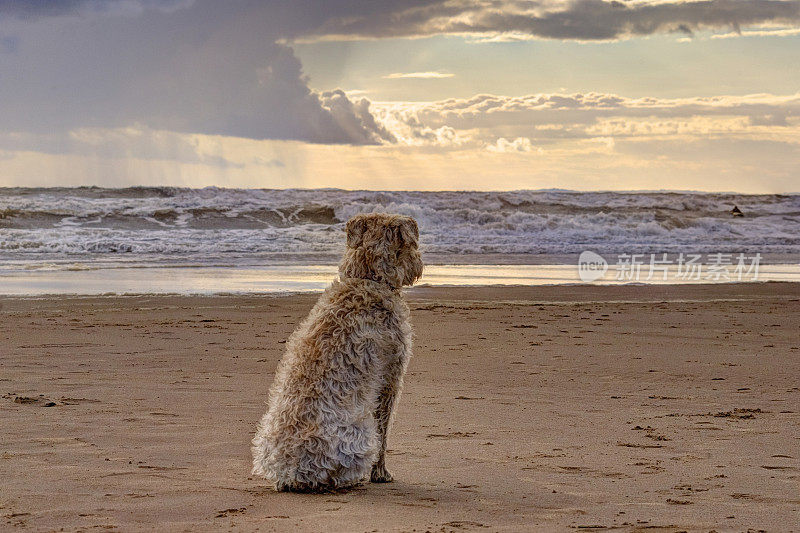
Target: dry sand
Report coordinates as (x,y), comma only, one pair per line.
(665,408)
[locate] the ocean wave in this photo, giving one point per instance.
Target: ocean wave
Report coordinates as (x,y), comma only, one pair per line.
(220,222)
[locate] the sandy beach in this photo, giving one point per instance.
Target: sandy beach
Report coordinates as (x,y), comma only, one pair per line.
(661,408)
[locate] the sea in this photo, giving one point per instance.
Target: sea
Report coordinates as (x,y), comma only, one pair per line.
(91,240)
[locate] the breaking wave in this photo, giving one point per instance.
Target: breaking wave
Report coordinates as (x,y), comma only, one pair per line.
(219,223)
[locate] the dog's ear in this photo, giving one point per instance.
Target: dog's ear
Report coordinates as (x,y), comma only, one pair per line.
(355,229)
(409,231)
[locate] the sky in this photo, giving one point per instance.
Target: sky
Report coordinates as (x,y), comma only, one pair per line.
(402,95)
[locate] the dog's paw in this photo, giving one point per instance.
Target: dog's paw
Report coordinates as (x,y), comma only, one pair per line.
(380,475)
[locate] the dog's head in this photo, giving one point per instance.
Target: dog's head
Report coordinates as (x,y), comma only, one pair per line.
(382,248)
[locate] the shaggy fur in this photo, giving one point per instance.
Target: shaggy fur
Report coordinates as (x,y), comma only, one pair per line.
(335,389)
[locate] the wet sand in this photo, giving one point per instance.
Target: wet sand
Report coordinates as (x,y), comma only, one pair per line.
(631,408)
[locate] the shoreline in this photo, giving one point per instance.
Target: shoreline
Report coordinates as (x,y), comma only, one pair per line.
(313,278)
(615,407)
(524,293)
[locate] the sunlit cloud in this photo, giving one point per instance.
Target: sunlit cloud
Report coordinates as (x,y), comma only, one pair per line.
(580,20)
(597,162)
(484,120)
(418,75)
(781,32)
(520,144)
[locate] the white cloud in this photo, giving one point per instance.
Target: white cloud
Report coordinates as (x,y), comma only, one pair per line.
(354,118)
(503,145)
(548,117)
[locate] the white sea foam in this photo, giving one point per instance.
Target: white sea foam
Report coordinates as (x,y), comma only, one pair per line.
(213,223)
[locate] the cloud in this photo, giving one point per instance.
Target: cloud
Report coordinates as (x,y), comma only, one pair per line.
(774,32)
(487,110)
(221,69)
(582,20)
(354,118)
(276,163)
(419,75)
(136,142)
(8,45)
(504,124)
(192,67)
(486,20)
(503,145)
(55,8)
(697,163)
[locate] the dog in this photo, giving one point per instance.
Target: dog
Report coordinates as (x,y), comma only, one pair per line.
(336,387)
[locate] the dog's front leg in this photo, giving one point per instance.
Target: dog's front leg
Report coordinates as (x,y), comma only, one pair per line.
(392,384)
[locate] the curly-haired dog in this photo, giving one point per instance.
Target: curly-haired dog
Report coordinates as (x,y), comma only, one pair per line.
(335,389)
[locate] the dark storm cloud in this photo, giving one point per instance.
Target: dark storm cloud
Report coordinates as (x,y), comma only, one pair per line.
(202,67)
(584,20)
(54,8)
